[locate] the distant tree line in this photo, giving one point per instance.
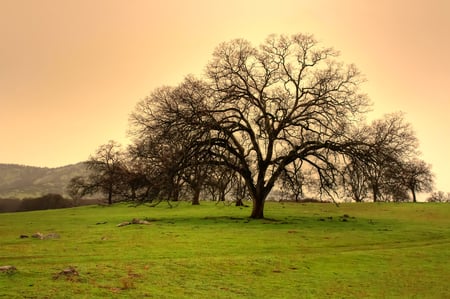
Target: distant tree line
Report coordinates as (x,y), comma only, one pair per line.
(286,115)
(44,202)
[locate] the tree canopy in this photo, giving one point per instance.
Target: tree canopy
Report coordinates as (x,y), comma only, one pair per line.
(259,109)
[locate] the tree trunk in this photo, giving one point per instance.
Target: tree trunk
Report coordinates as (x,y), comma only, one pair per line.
(259,194)
(375,193)
(258,208)
(174,194)
(239,202)
(196,197)
(259,198)
(413,195)
(110,197)
(222,195)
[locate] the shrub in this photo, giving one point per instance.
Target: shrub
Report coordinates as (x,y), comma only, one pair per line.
(48,201)
(439,196)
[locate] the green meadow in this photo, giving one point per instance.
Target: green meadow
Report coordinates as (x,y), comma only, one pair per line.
(313,250)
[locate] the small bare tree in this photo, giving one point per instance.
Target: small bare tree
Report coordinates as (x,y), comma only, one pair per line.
(355,181)
(293,180)
(391,141)
(77,189)
(167,146)
(439,196)
(106,167)
(417,177)
(219,182)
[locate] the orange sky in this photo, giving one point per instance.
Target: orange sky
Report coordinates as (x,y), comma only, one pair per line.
(71,71)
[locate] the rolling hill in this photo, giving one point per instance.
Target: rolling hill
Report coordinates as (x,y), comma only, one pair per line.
(18,181)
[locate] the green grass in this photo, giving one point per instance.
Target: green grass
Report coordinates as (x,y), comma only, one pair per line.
(216,251)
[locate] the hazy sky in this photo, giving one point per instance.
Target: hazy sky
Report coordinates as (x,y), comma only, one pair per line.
(71,71)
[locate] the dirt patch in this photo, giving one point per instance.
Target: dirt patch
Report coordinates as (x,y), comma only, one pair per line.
(69,273)
(42,236)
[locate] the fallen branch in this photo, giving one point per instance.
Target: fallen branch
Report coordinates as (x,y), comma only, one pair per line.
(134,221)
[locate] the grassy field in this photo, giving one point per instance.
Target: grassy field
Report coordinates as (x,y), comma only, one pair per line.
(216,251)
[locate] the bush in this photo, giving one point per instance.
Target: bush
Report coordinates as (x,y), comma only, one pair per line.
(439,196)
(48,201)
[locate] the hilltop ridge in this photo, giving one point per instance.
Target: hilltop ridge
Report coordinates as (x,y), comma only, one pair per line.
(21,181)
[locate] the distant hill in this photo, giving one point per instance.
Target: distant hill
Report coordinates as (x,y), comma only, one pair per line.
(18,181)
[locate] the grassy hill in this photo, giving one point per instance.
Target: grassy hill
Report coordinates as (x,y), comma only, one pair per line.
(18,181)
(372,250)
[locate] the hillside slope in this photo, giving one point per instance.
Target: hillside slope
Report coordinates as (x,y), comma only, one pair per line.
(18,181)
(367,250)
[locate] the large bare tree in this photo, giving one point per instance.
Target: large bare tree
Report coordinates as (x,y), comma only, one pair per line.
(260,109)
(287,100)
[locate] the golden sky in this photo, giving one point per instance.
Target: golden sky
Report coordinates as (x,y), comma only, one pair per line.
(71,71)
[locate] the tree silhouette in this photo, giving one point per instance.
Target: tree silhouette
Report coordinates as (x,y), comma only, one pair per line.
(107,170)
(391,142)
(261,112)
(417,176)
